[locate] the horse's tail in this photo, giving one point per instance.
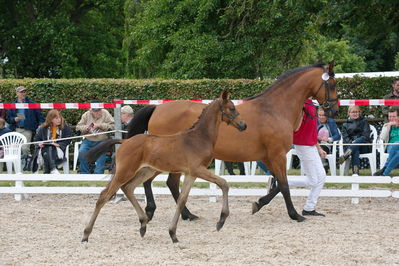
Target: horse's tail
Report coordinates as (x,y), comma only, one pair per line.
(93,154)
(139,123)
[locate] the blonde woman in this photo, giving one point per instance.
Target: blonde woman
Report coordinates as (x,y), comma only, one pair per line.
(51,152)
(355,130)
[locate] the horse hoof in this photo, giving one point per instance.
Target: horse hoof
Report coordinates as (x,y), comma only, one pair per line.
(300,218)
(142,231)
(190,217)
(173,237)
(85,240)
(219,225)
(255,207)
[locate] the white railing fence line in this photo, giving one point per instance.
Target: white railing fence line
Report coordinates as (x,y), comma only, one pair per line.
(354,192)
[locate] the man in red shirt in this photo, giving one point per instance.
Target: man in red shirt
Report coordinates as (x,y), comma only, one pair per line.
(309,153)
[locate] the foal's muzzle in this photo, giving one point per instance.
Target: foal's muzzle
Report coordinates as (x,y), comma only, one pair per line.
(241,126)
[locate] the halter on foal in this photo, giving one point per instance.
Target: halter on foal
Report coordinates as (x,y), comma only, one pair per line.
(141,156)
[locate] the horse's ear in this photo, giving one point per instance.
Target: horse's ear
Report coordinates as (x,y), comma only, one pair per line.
(331,67)
(224,95)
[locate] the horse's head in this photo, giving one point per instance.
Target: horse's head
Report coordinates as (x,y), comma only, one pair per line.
(327,97)
(229,112)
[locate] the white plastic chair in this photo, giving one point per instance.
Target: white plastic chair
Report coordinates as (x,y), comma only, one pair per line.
(65,165)
(332,159)
(372,156)
(381,148)
(76,154)
(12,143)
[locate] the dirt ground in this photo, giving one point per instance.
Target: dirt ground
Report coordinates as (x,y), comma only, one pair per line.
(47,229)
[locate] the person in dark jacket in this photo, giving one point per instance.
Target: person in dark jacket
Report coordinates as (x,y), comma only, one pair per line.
(24,121)
(355,130)
(51,152)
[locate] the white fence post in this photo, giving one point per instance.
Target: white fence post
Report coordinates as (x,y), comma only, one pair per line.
(355,187)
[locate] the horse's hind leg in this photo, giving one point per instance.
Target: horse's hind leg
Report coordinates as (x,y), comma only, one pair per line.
(173,183)
(256,206)
(105,195)
(187,184)
(279,170)
(151,206)
(128,188)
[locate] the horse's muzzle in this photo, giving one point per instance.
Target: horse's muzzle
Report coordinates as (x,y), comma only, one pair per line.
(331,112)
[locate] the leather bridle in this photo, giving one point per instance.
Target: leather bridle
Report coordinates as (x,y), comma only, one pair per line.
(328,101)
(230,117)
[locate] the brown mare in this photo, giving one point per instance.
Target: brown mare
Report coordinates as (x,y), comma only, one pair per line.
(271,116)
(142,156)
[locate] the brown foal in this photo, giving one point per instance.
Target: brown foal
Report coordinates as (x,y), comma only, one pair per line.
(142,156)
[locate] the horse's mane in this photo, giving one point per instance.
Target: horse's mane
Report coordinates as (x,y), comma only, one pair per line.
(201,115)
(283,77)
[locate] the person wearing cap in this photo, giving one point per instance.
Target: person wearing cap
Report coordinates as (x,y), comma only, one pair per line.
(24,121)
(96,120)
(393,95)
(126,116)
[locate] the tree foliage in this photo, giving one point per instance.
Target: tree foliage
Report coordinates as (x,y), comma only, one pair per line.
(72,38)
(370,26)
(194,38)
(230,39)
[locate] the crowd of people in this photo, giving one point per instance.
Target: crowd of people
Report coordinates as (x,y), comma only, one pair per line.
(52,135)
(50,153)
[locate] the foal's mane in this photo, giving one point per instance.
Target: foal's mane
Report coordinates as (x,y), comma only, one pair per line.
(283,77)
(201,115)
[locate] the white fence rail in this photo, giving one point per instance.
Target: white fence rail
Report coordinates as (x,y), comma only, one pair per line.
(354,192)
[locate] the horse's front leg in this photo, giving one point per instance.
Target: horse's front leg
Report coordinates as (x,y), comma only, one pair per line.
(181,201)
(205,174)
(278,168)
(173,183)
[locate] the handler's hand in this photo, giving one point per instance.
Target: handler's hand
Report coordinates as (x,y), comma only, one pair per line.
(322,153)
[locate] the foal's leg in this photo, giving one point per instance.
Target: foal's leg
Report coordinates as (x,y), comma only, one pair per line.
(278,168)
(105,195)
(181,201)
(142,175)
(173,183)
(205,174)
(128,189)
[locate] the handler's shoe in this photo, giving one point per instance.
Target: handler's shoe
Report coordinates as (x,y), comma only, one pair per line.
(312,213)
(380,172)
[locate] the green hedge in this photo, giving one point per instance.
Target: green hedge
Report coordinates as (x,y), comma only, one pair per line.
(106,90)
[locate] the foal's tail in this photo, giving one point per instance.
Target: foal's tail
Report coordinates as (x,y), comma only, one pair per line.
(93,154)
(139,123)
